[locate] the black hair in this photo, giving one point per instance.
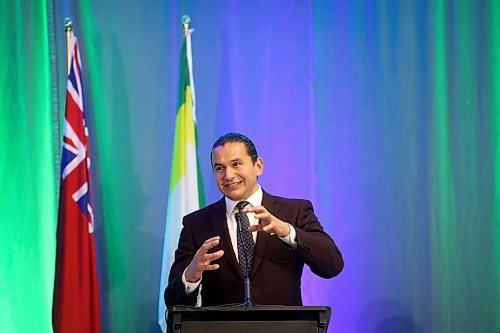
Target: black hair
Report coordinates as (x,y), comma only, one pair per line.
(237,137)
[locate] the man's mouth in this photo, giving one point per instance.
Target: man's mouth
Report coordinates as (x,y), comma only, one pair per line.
(232,185)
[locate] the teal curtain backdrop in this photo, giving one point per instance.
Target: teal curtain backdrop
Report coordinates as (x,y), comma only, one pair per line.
(386,114)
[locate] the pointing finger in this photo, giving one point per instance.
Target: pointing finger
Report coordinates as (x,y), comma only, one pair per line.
(212,239)
(212,267)
(208,244)
(214,256)
(253,228)
(255,209)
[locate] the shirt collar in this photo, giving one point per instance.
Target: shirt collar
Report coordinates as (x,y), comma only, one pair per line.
(254,200)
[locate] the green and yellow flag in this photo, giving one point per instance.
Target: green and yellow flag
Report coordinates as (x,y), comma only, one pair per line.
(186,188)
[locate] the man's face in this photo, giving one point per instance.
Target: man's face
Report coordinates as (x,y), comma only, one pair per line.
(235,174)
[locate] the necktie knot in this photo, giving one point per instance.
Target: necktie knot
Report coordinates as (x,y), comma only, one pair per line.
(241,205)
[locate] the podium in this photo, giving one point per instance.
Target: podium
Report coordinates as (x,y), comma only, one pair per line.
(245,319)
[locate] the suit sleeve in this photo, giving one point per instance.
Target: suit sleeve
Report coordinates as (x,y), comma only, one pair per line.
(175,294)
(314,246)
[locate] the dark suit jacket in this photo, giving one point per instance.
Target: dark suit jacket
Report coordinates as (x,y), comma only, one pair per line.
(277,268)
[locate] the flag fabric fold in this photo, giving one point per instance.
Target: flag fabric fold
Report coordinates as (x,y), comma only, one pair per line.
(76,292)
(185,189)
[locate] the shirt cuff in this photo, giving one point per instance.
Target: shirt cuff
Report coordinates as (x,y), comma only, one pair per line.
(190,286)
(290,238)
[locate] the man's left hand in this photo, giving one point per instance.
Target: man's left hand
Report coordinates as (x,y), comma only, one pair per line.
(268,222)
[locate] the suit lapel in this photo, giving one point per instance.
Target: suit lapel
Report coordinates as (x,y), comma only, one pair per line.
(219,223)
(269,202)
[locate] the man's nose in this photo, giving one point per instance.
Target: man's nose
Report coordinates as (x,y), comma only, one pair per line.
(229,174)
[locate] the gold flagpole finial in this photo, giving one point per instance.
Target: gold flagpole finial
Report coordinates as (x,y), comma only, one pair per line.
(68,27)
(185,20)
(68,24)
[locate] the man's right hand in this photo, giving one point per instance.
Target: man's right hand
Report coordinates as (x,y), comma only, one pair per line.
(202,260)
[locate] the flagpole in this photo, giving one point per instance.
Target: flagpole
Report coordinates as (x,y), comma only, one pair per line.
(186,20)
(68,27)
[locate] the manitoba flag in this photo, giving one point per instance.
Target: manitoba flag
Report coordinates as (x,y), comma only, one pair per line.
(76,290)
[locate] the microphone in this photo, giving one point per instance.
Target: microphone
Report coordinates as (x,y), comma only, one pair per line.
(248,298)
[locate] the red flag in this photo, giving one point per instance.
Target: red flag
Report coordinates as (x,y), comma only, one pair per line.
(76,290)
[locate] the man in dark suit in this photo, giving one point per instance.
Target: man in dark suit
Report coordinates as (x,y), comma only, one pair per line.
(286,234)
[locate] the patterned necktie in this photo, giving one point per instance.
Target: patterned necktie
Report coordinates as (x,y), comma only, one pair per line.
(245,239)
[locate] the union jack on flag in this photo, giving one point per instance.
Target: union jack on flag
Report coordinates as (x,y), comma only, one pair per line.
(76,290)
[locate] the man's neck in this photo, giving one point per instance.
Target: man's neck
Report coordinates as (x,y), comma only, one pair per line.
(255,200)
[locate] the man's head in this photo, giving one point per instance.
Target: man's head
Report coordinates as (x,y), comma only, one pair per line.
(236,166)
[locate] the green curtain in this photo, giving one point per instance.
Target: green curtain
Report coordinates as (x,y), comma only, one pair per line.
(464,152)
(494,60)
(29,155)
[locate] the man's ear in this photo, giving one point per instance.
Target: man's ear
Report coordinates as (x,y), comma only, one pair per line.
(260,166)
